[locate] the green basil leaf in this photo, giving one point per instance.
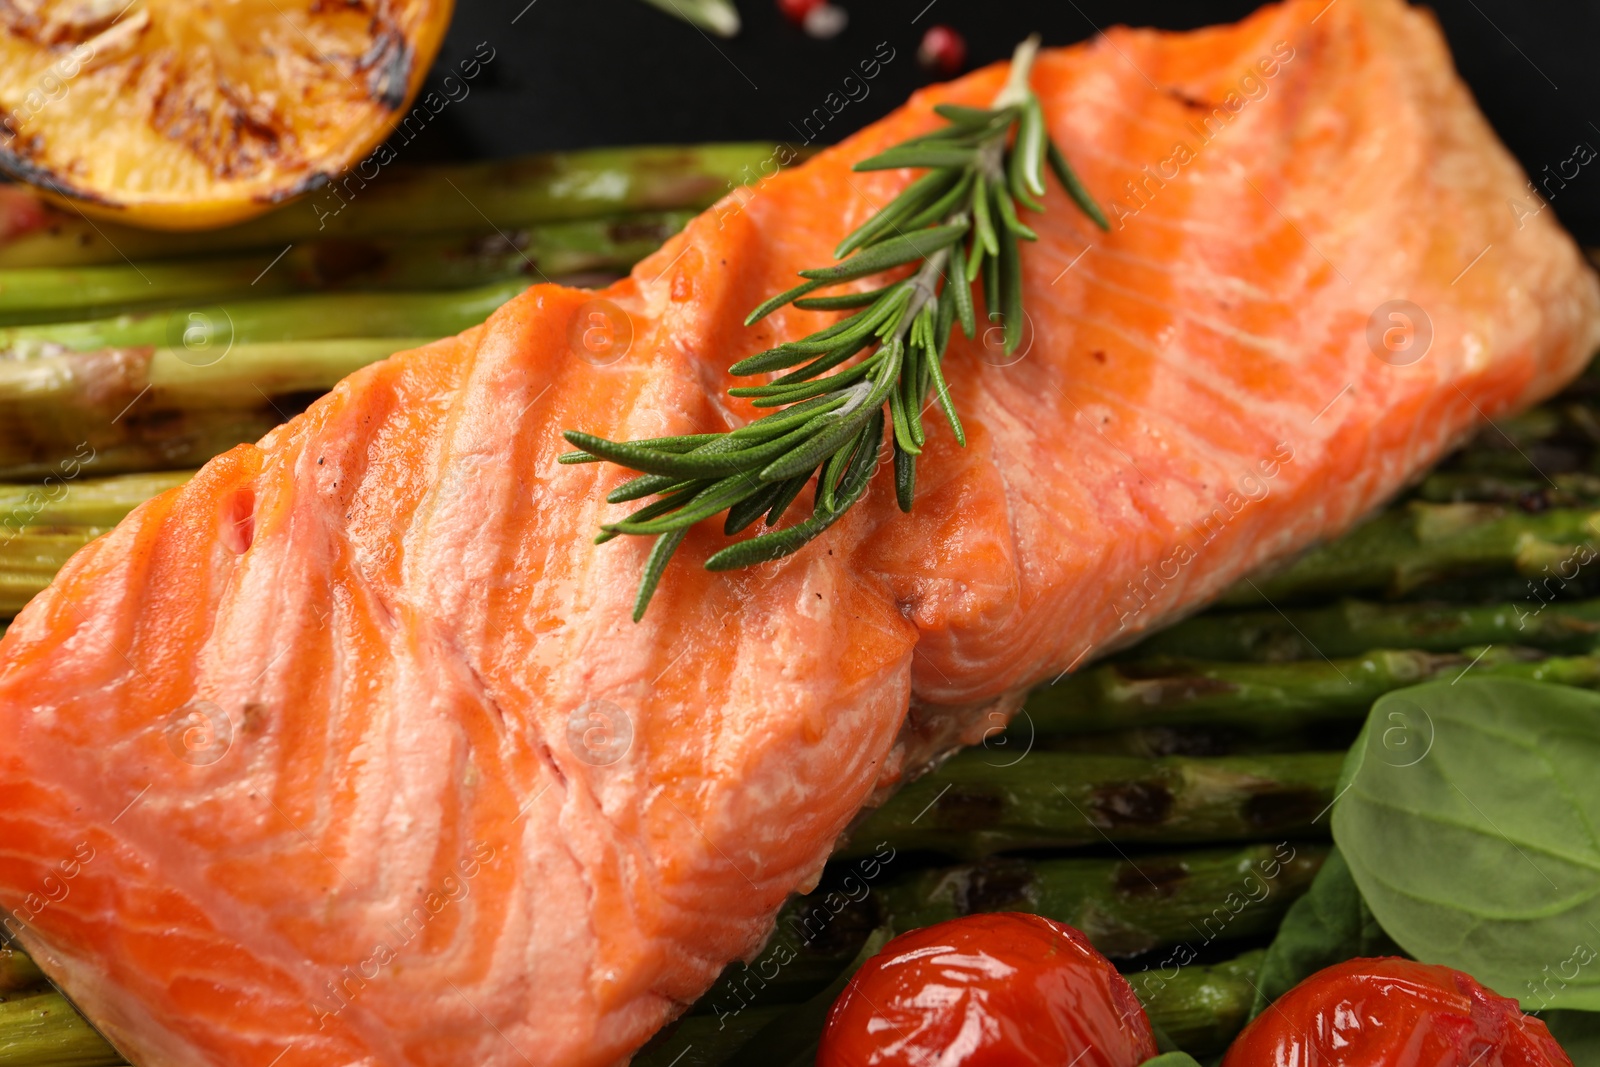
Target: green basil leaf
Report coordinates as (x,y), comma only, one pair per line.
(1172,1059)
(1471,824)
(1329,925)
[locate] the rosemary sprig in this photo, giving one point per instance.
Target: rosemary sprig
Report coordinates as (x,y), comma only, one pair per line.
(960,222)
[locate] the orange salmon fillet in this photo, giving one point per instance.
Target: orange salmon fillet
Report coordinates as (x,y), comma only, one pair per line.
(348,752)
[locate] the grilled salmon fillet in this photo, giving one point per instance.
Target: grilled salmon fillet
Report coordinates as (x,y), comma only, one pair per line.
(348,752)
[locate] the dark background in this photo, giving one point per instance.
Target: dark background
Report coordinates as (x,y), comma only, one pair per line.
(574,73)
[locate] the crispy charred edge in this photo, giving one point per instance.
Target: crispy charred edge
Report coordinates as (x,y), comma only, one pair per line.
(308,184)
(20,168)
(387,65)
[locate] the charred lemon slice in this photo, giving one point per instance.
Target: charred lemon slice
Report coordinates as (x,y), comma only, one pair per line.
(184,114)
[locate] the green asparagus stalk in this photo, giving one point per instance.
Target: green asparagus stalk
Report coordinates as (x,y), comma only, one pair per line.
(310,317)
(43,294)
(154,409)
(30,560)
(50,294)
(1530,493)
(1125,906)
(1542,458)
(1201,1008)
(1523,430)
(1154,742)
(43,1030)
(1557,437)
(210,370)
(42,526)
(18,971)
(145,439)
(433,200)
(1268,697)
(1422,544)
(969,808)
(1352,627)
(99,386)
(80,501)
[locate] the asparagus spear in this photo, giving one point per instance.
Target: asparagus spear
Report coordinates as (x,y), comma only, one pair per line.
(310,317)
(1422,544)
(144,439)
(43,1030)
(1502,451)
(1521,431)
(1556,438)
(1530,493)
(1352,627)
(159,410)
(1202,1009)
(1153,742)
(41,526)
(1125,906)
(80,502)
(18,971)
(47,294)
(969,808)
(1269,697)
(401,202)
(152,409)
(210,370)
(31,559)
(1542,458)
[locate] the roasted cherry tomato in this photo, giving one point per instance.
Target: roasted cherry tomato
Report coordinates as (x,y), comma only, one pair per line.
(986,991)
(1394,1013)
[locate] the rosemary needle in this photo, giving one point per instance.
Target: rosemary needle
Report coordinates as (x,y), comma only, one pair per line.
(959,222)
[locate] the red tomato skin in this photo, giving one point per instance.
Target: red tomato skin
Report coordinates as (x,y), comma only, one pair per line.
(995,990)
(1393,1012)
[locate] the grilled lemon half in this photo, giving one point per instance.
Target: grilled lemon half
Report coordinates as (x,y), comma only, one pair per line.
(187,114)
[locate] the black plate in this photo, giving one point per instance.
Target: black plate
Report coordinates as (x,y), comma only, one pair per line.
(571,73)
